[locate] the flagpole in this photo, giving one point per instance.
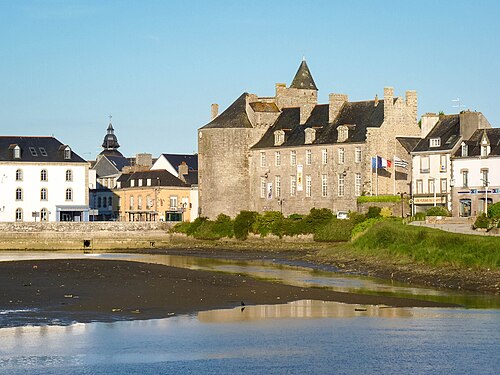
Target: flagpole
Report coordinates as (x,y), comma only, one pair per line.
(371,176)
(394,172)
(376,181)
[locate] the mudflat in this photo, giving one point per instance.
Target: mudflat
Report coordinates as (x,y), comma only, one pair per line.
(107,290)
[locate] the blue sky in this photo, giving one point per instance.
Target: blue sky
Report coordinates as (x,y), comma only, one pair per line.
(156,66)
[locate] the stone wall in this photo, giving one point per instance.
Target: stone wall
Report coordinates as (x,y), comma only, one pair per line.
(83,227)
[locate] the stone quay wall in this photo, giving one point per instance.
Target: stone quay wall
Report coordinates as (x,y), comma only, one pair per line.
(84,235)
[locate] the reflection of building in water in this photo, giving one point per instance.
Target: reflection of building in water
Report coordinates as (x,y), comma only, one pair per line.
(302,309)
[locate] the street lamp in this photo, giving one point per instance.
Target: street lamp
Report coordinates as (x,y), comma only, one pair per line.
(280,202)
(485,183)
(402,205)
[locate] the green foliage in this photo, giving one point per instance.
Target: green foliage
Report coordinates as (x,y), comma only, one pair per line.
(437,211)
(317,217)
(362,226)
(181,227)
(336,230)
(295,217)
(431,246)
(419,216)
(494,211)
(214,230)
(386,212)
(379,198)
(243,224)
(269,222)
(356,217)
(195,225)
(482,221)
(373,212)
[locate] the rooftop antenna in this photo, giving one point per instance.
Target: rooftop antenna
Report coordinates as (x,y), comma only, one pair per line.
(458,105)
(110,117)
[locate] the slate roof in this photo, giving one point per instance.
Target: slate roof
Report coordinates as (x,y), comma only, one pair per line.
(474,142)
(358,116)
(166,179)
(303,78)
(191,178)
(447,129)
(408,143)
(119,161)
(49,146)
(176,159)
(235,116)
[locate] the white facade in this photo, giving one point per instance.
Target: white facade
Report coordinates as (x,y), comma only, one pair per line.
(431,180)
(471,177)
(34,191)
(163,164)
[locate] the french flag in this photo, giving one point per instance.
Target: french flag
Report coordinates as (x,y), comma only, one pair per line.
(380,162)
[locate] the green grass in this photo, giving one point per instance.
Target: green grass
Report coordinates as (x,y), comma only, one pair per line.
(430,246)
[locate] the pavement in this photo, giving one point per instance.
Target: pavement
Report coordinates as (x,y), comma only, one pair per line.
(464,228)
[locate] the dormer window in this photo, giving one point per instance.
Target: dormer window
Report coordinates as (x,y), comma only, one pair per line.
(17,152)
(310,134)
(434,142)
(343,133)
(279,137)
(465,149)
(67,153)
(485,150)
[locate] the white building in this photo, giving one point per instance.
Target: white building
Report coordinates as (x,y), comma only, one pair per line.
(41,180)
(476,172)
(432,160)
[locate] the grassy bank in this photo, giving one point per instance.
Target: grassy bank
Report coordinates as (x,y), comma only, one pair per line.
(434,247)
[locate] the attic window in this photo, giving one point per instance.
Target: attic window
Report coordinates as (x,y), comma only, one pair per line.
(465,149)
(310,135)
(485,150)
(67,153)
(434,142)
(42,151)
(33,151)
(343,133)
(17,152)
(279,137)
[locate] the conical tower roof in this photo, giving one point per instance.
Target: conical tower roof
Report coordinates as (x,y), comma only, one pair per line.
(303,78)
(110,143)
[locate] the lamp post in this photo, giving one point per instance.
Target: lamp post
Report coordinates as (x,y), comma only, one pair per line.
(485,183)
(402,205)
(280,202)
(157,189)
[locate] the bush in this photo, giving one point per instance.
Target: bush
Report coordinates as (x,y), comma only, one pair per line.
(270,222)
(373,212)
(437,211)
(494,211)
(316,219)
(482,221)
(419,216)
(243,224)
(335,230)
(386,212)
(195,225)
(181,227)
(356,217)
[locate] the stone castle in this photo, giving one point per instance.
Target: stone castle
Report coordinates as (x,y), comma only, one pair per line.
(288,153)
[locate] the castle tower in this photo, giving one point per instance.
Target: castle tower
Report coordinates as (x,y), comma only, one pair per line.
(302,92)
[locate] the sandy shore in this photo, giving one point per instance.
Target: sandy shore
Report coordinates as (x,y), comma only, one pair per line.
(106,290)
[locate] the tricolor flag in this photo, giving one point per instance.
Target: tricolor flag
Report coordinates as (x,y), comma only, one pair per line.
(400,162)
(380,162)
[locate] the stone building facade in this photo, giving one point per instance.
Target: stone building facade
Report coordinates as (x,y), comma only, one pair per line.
(289,153)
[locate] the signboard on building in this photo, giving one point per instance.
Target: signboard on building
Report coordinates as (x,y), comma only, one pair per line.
(429,200)
(299,178)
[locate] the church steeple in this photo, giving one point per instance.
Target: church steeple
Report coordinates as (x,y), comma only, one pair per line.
(110,142)
(303,78)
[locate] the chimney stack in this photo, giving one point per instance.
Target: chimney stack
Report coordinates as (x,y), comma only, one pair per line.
(335,105)
(183,171)
(215,110)
(388,100)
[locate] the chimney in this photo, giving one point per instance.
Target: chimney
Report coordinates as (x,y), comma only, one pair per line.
(183,170)
(388,101)
(411,104)
(336,101)
(470,122)
(215,110)
(427,122)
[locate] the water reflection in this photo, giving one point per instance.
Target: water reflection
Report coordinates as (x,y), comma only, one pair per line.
(301,309)
(292,275)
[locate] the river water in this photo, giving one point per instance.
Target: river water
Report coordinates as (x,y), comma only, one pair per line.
(303,337)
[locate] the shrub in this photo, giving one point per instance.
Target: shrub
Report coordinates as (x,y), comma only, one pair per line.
(316,219)
(373,212)
(494,211)
(437,211)
(356,217)
(181,227)
(482,221)
(379,198)
(243,223)
(385,212)
(419,216)
(270,222)
(335,230)
(195,225)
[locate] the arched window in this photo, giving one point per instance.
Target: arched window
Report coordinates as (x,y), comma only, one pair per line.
(67,153)
(19,175)
(139,202)
(44,214)
(19,194)
(69,194)
(43,175)
(110,201)
(99,202)
(131,202)
(19,214)
(43,194)
(69,175)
